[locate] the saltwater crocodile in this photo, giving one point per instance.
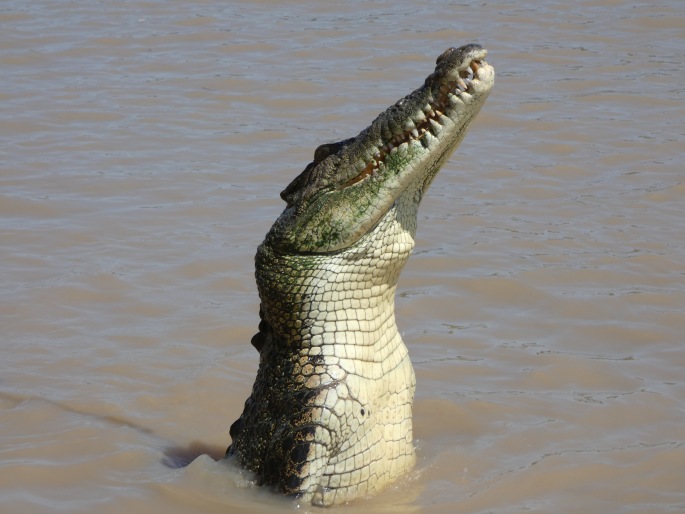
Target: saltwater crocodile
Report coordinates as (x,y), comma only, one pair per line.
(330,414)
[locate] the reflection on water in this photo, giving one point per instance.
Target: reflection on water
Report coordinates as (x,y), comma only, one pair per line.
(144,149)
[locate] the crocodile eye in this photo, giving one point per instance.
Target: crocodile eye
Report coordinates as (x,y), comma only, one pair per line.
(327,149)
(322,152)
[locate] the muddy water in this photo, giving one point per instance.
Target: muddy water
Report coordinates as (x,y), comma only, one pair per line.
(142,149)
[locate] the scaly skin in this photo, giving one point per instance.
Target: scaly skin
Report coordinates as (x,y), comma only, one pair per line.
(330,415)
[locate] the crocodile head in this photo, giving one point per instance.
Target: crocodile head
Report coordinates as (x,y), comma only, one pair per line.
(352,184)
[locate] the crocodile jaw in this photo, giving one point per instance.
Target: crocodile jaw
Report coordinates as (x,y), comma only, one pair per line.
(341,196)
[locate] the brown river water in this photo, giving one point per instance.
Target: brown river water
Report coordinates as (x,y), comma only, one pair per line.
(143,146)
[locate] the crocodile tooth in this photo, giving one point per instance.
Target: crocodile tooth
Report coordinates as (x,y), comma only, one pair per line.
(461,84)
(437,128)
(425,139)
(414,132)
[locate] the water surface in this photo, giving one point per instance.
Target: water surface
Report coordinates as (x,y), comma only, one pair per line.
(144,145)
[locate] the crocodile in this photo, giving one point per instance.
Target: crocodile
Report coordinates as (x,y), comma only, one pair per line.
(329,418)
